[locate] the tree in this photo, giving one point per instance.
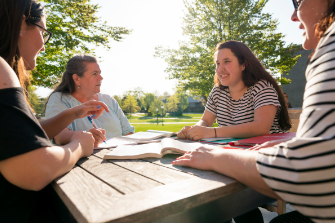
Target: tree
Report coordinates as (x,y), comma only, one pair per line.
(172,103)
(76,28)
(35,101)
(157,104)
(208,22)
(147,100)
(118,99)
(183,102)
(130,105)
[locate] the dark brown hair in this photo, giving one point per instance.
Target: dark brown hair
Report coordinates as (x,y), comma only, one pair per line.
(11,15)
(75,65)
(327,20)
(254,72)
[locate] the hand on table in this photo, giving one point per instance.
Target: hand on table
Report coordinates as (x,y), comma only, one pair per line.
(99,136)
(201,158)
(86,141)
(197,132)
(90,108)
(268,144)
(183,132)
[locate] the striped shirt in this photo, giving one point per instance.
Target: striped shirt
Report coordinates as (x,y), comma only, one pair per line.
(302,170)
(231,112)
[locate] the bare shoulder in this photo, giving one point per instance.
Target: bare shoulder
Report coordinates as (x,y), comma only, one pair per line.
(7,76)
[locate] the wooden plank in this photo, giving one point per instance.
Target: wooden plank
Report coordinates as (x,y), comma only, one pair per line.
(169,199)
(119,178)
(166,162)
(86,197)
(152,171)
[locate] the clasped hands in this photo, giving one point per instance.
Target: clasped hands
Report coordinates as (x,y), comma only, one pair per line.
(196,132)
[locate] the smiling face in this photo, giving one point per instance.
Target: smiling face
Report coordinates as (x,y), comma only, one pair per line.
(90,82)
(309,13)
(228,69)
(31,42)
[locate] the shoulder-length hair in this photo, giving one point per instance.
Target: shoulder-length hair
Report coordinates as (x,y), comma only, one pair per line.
(254,72)
(11,15)
(75,65)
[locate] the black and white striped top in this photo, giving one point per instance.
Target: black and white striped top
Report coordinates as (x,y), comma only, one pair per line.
(231,112)
(302,171)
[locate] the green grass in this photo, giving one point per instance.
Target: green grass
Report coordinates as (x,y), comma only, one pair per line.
(167,127)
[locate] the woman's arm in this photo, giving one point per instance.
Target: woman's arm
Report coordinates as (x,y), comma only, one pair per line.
(238,164)
(64,137)
(56,124)
(263,120)
(36,169)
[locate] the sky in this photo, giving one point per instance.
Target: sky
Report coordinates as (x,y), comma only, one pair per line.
(130,63)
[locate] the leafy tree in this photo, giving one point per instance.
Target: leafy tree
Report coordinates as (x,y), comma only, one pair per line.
(76,28)
(172,103)
(183,102)
(147,100)
(36,102)
(118,99)
(130,105)
(157,104)
(208,22)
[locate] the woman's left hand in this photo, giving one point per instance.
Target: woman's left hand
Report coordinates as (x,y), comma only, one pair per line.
(197,132)
(201,158)
(90,108)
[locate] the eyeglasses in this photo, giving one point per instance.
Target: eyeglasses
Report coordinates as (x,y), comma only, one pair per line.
(46,35)
(296,4)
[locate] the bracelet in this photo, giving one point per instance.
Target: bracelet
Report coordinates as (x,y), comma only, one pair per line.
(215,132)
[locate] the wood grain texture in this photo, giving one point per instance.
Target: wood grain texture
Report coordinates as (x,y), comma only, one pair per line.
(169,199)
(86,197)
(119,178)
(152,171)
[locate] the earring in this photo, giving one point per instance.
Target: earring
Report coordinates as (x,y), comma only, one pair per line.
(78,87)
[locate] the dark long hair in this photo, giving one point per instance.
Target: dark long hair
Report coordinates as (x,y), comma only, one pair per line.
(76,65)
(326,21)
(11,15)
(254,72)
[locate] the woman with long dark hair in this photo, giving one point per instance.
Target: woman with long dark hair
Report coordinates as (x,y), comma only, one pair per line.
(28,161)
(246,101)
(302,170)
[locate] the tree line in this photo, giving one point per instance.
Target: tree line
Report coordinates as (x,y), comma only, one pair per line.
(152,103)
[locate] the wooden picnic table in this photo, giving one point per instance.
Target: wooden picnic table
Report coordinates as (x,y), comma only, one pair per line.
(151,190)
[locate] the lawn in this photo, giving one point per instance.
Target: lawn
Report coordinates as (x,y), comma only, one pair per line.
(150,123)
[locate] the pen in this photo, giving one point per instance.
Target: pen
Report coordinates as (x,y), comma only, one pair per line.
(93,123)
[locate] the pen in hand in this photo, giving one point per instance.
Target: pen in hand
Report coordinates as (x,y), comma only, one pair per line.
(93,123)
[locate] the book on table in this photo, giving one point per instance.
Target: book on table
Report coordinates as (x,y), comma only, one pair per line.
(151,150)
(249,142)
(136,138)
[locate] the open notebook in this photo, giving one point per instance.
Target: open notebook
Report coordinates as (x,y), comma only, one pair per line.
(154,150)
(136,138)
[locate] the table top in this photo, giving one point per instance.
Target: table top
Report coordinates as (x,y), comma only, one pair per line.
(151,190)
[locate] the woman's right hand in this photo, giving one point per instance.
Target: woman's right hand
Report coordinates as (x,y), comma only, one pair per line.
(183,132)
(86,141)
(99,136)
(90,108)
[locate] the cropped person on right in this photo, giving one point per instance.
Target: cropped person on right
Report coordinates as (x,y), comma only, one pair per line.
(302,170)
